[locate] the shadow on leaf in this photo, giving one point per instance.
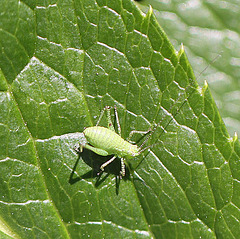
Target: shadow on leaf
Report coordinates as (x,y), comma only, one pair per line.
(95,161)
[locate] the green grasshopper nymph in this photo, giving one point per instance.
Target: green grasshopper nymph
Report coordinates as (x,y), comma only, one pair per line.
(105,141)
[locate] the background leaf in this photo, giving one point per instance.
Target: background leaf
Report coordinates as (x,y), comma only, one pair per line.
(61,63)
(207,28)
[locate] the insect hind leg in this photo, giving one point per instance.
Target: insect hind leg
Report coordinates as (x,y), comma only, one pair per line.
(123,169)
(137,132)
(108,162)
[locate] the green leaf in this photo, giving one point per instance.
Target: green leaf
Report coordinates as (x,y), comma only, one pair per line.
(61,63)
(207,29)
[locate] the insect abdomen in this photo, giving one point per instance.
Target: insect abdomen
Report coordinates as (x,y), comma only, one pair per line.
(108,140)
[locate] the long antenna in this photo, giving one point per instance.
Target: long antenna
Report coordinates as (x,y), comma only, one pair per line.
(174,115)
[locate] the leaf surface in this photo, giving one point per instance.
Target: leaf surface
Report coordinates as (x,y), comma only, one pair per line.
(208,29)
(60,65)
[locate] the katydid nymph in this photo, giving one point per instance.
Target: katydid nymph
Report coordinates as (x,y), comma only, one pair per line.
(105,141)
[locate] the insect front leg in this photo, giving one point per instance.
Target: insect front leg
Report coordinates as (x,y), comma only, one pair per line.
(101,115)
(117,119)
(109,121)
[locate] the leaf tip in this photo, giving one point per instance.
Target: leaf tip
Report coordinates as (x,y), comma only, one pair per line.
(235,137)
(150,11)
(205,86)
(182,49)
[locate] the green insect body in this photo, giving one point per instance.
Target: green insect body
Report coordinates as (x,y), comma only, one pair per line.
(110,142)
(105,141)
